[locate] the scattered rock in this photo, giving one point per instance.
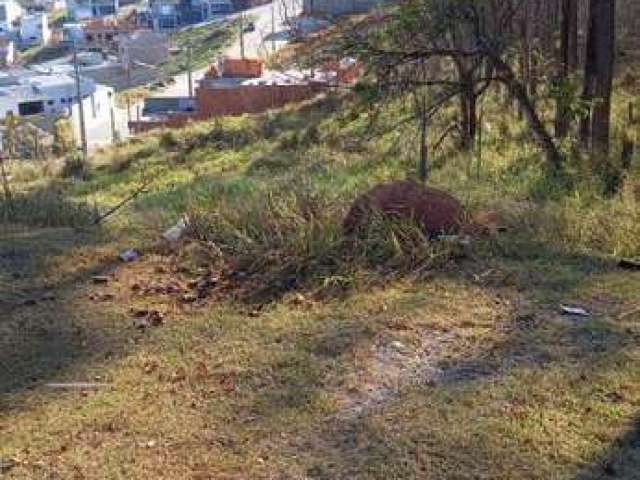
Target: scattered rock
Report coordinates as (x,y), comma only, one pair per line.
(298,299)
(101,297)
(177,232)
(189,298)
(7,464)
(399,347)
(627,264)
(130,255)
(576,311)
(463,239)
(435,211)
(77,386)
(144,319)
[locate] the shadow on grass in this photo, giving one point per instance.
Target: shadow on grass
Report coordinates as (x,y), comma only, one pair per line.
(621,462)
(41,268)
(365,445)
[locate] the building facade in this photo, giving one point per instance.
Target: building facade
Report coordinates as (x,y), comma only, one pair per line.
(10,13)
(86,9)
(34,30)
(7,53)
(340,7)
(171,14)
(27,93)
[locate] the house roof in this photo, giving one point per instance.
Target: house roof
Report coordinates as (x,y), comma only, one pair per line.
(166,105)
(27,84)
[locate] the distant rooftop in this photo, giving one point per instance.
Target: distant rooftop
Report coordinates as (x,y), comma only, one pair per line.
(23,83)
(269,77)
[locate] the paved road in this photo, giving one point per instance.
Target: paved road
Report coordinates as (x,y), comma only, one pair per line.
(257,44)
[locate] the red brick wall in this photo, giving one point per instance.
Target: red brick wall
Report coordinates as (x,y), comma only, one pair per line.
(234,101)
(243,68)
(215,102)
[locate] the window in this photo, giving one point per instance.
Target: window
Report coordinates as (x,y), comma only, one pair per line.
(63,100)
(50,102)
(31,108)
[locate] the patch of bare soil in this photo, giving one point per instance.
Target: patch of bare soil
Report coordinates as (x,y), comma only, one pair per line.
(441,358)
(392,366)
(158,287)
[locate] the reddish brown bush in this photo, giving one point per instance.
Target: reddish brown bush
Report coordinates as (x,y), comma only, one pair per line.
(434,210)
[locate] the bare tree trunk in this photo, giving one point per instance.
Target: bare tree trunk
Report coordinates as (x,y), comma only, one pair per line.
(539,131)
(469,117)
(525,54)
(421,110)
(595,128)
(568,62)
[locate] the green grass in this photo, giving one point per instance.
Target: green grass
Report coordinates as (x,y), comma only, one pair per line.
(205,42)
(315,357)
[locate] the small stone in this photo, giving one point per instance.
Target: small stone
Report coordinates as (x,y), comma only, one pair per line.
(298,299)
(144,319)
(7,464)
(399,347)
(189,298)
(100,279)
(177,232)
(130,255)
(575,311)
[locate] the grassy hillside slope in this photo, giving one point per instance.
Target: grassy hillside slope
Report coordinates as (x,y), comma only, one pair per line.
(271,347)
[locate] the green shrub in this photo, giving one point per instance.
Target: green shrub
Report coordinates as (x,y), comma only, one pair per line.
(75,166)
(46,208)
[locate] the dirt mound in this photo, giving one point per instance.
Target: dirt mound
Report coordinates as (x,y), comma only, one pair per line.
(434,210)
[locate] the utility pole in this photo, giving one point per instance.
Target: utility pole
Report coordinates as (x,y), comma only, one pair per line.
(83,130)
(114,136)
(273,26)
(189,72)
(128,95)
(242,35)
